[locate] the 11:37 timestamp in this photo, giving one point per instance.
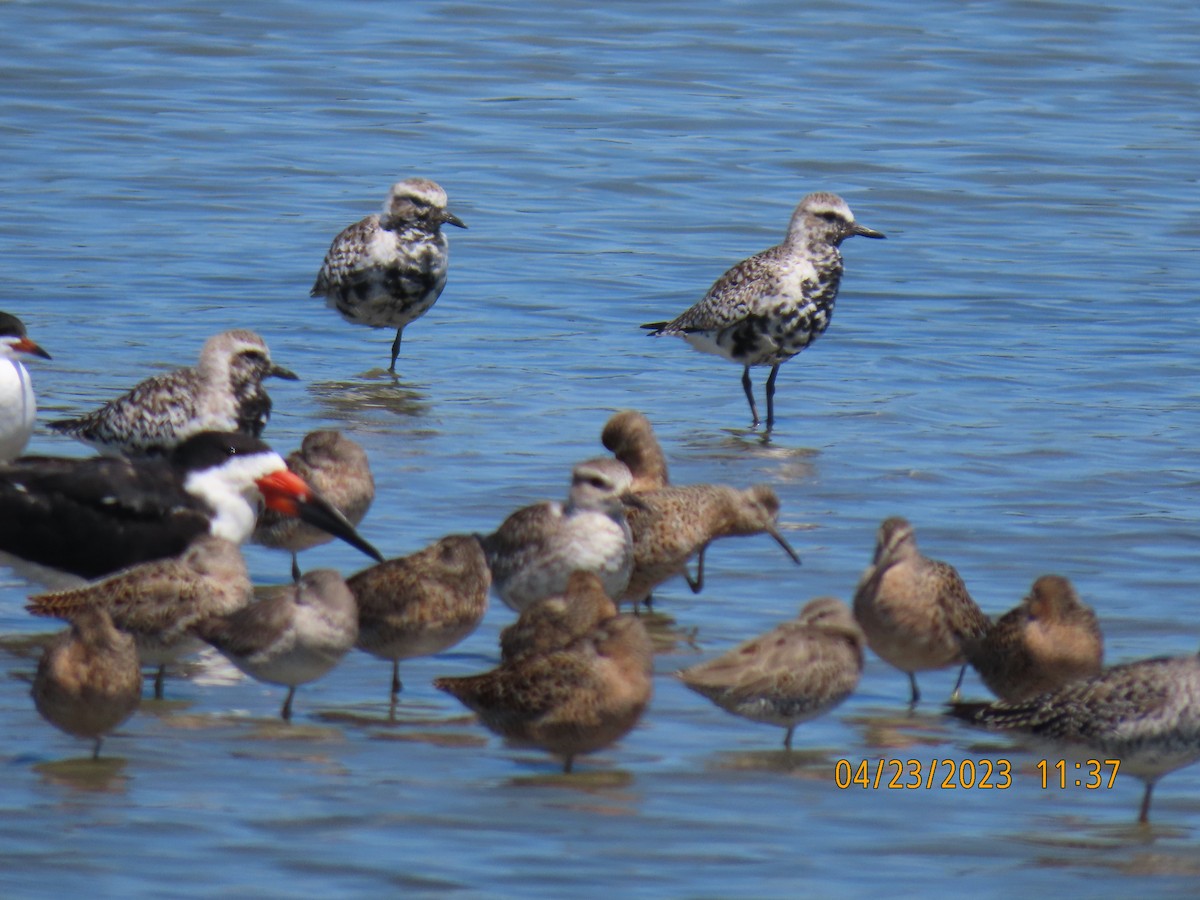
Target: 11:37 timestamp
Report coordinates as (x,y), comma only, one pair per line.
(1087,773)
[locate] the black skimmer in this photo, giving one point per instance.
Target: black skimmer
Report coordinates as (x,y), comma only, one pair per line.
(18,407)
(92,517)
(224,392)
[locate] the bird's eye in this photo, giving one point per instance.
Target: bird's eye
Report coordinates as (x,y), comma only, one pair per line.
(830,217)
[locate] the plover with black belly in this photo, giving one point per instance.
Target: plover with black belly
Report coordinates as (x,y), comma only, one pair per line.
(534,551)
(339,470)
(1144,713)
(388,269)
(224,392)
(94,516)
(768,308)
(18,406)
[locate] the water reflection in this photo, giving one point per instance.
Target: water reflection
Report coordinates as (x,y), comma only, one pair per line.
(105,775)
(369,402)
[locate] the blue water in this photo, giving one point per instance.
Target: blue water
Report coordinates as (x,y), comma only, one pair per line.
(1014,370)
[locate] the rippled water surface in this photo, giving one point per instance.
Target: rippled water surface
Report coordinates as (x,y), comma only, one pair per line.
(1014,370)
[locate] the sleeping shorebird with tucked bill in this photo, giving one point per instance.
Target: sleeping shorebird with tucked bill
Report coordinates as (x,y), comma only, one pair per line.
(768,308)
(388,269)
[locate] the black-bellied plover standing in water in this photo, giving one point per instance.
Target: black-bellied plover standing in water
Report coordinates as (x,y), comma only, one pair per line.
(795,672)
(768,308)
(630,437)
(571,701)
(1144,713)
(18,406)
(1049,639)
(88,680)
(915,611)
(423,603)
(676,523)
(293,636)
(388,269)
(337,467)
(223,392)
(555,622)
(91,517)
(159,602)
(535,550)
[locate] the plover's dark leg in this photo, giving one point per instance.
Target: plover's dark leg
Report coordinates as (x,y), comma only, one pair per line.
(771,395)
(396,685)
(749,389)
(286,712)
(916,691)
(158,681)
(295,568)
(395,350)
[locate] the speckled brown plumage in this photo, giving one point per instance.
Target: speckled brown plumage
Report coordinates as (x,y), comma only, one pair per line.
(675,524)
(1049,639)
(630,437)
(795,672)
(915,611)
(423,603)
(338,468)
(552,623)
(159,602)
(88,680)
(571,701)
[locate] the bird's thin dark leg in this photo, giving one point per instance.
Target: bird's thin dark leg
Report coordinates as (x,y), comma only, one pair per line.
(395,350)
(1144,814)
(771,396)
(958,684)
(567,763)
(787,740)
(286,712)
(96,748)
(396,685)
(295,569)
(697,585)
(916,692)
(748,387)
(158,681)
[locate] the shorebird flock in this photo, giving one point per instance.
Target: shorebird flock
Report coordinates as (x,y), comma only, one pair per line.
(140,546)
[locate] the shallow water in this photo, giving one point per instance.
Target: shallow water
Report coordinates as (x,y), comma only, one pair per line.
(1014,370)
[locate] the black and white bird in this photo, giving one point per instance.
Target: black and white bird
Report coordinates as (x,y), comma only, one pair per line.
(223,392)
(388,269)
(768,308)
(91,517)
(18,406)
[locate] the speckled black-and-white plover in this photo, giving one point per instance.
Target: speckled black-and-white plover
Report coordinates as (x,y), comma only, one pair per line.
(388,269)
(768,308)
